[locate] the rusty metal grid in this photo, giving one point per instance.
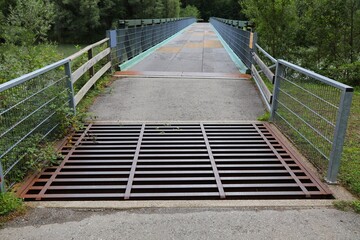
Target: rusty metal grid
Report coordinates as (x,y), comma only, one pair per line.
(175,161)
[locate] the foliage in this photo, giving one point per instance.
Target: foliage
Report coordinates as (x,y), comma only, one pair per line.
(85,21)
(19,60)
(216,8)
(322,35)
(276,22)
(28,21)
(265,117)
(190,11)
(348,206)
(9,203)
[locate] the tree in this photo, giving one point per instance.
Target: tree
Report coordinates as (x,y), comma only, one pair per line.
(190,11)
(76,18)
(28,21)
(171,8)
(276,21)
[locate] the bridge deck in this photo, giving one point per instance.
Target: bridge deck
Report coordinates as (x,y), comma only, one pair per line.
(212,90)
(198,49)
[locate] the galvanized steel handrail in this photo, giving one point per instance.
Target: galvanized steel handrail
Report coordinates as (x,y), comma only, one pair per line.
(66,84)
(316,109)
(317,76)
(266,70)
(266,53)
(28,76)
(73,99)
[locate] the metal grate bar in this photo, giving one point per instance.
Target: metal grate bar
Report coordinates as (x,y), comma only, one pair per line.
(213,163)
(133,167)
(283,162)
(47,185)
(166,161)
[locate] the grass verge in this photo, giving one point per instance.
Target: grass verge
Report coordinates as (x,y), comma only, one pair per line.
(10,207)
(348,206)
(265,117)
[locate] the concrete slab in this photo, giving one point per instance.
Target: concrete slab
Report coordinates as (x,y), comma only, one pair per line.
(177,99)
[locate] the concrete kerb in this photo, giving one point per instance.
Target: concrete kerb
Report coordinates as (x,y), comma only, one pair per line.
(246,204)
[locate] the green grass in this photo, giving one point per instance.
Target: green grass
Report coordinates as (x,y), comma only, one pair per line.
(9,203)
(265,117)
(10,207)
(350,166)
(347,206)
(68,49)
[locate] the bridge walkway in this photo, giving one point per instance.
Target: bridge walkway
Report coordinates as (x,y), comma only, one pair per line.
(191,78)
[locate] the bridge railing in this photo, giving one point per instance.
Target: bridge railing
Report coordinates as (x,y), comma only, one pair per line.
(312,110)
(136,36)
(29,113)
(32,106)
(263,67)
(96,63)
(240,41)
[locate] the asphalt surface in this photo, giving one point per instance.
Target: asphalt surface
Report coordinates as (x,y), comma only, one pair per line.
(185,223)
(162,99)
(197,50)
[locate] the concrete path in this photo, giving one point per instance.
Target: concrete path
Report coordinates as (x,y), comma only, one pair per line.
(198,49)
(211,95)
(163,99)
(185,223)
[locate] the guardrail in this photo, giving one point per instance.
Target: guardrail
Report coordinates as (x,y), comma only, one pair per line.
(136,36)
(264,72)
(240,41)
(312,110)
(29,107)
(29,113)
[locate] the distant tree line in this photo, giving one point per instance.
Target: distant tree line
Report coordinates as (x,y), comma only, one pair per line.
(84,21)
(322,35)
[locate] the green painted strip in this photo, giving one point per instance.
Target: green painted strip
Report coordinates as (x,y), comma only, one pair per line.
(233,56)
(128,64)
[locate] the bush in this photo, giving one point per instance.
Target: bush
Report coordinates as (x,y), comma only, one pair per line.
(16,61)
(9,203)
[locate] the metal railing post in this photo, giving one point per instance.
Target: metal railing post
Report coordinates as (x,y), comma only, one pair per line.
(279,73)
(112,43)
(70,86)
(2,179)
(339,136)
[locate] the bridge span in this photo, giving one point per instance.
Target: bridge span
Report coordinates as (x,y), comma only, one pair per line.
(191,78)
(179,120)
(179,123)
